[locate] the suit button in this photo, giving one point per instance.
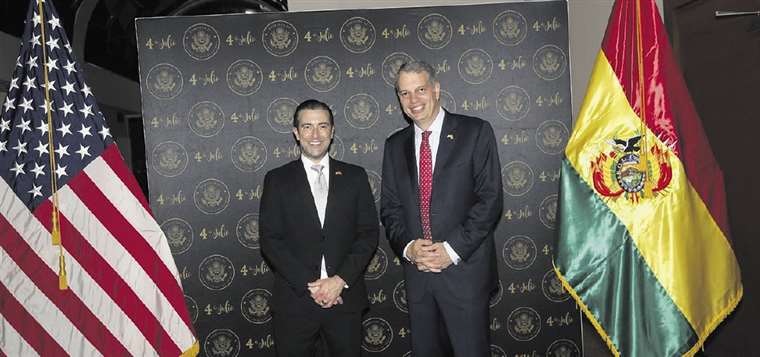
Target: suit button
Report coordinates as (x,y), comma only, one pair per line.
(324,238)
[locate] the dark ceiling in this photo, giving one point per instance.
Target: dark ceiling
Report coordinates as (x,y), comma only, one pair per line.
(110,39)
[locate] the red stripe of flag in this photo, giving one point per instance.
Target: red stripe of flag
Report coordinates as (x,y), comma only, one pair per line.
(132,241)
(66,301)
(667,98)
(111,283)
(27,326)
(112,157)
(18,317)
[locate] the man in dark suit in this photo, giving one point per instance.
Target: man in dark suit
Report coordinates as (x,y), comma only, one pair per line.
(319,230)
(441,202)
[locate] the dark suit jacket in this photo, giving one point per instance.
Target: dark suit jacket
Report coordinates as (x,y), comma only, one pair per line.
(293,241)
(465,204)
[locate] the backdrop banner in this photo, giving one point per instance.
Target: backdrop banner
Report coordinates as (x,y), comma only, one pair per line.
(218,96)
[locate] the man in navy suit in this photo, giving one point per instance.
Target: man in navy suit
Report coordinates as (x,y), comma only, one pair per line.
(319,230)
(441,201)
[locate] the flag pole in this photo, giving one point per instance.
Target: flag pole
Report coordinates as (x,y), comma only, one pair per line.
(56,225)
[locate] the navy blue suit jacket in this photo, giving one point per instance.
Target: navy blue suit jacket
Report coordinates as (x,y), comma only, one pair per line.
(465,205)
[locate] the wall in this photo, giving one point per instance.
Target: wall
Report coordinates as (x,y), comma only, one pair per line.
(588,19)
(719,58)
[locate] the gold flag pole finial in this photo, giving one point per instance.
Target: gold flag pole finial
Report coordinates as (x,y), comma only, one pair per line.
(55,231)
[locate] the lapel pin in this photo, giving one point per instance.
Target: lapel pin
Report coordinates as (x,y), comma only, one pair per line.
(338,173)
(450,136)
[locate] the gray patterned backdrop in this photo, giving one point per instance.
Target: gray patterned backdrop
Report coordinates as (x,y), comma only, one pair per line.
(218,94)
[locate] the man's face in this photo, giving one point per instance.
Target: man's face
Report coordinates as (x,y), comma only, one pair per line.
(418,97)
(314,133)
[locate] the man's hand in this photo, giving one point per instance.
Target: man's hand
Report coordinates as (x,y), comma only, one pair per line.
(429,256)
(326,292)
(435,258)
(418,249)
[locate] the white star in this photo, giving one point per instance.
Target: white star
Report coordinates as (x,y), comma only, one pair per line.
(37,19)
(69,87)
(51,64)
(14,84)
(32,62)
(68,47)
(18,61)
(54,22)
(41,149)
(66,109)
(27,104)
(86,90)
(84,131)
(9,104)
(29,83)
(4,125)
(35,41)
(46,106)
(38,170)
(35,191)
(2,146)
(62,151)
(24,126)
(105,132)
(53,43)
(86,111)
(20,147)
(69,67)
(43,128)
(18,168)
(51,86)
(60,171)
(83,151)
(64,129)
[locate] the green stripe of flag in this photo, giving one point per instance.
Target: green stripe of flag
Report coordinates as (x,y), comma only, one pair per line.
(600,261)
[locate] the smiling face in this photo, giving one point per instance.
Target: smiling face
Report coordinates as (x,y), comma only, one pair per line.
(419,97)
(314,133)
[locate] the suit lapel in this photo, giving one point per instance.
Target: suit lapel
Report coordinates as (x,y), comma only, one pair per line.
(411,158)
(303,192)
(336,181)
(445,144)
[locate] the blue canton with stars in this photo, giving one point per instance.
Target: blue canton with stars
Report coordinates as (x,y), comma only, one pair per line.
(80,132)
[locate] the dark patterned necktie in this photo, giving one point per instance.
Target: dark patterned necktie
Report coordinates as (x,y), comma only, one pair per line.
(426,184)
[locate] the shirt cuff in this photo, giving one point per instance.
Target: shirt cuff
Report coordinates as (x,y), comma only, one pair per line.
(407,249)
(452,254)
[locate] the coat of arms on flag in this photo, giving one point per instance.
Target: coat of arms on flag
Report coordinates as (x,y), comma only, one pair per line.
(630,171)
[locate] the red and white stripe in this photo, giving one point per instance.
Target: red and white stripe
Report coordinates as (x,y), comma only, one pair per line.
(124,294)
(14,344)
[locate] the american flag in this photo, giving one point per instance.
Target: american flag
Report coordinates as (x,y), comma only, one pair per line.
(124,295)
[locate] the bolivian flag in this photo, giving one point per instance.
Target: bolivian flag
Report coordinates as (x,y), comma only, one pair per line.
(643,242)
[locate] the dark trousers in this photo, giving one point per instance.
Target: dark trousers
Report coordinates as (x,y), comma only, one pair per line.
(301,335)
(443,325)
